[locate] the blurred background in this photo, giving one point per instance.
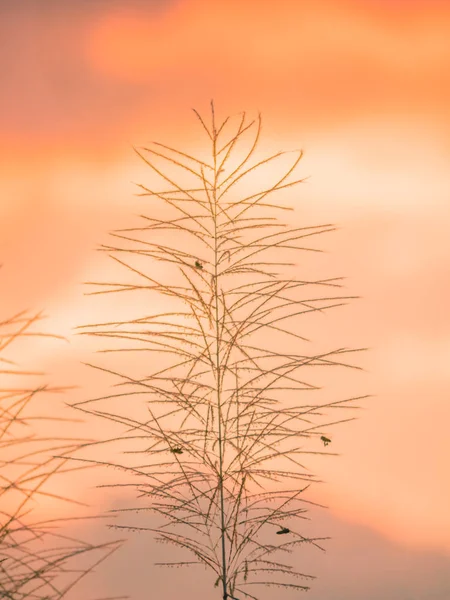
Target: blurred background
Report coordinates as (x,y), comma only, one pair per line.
(363,87)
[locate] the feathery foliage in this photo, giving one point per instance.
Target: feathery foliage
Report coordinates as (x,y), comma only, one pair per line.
(227,415)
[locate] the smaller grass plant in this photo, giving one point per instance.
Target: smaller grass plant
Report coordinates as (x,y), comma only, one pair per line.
(38,561)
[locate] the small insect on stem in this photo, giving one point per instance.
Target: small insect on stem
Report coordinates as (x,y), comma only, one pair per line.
(176,450)
(325,440)
(283,531)
(198,264)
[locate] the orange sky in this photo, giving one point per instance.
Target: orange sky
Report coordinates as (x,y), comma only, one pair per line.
(362,86)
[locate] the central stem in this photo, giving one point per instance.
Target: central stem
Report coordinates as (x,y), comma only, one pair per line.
(219,374)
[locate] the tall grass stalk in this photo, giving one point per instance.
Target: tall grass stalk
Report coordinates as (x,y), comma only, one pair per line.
(227,417)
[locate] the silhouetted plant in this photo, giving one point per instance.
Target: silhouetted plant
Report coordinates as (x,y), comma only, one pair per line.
(37,559)
(227,413)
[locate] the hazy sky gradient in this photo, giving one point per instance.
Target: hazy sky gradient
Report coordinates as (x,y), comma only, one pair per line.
(364,88)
